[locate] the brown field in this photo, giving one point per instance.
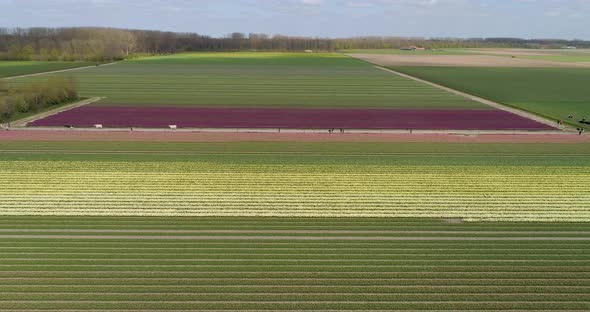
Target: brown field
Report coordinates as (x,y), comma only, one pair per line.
(169,136)
(459,60)
(527,52)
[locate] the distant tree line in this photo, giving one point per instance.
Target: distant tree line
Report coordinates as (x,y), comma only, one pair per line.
(108,44)
(36,96)
(65,44)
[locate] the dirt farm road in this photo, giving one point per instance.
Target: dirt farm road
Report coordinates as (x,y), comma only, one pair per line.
(107,135)
(57,71)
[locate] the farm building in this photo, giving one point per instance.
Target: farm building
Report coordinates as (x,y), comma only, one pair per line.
(413,48)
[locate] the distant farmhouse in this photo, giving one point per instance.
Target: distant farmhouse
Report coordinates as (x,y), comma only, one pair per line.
(413,48)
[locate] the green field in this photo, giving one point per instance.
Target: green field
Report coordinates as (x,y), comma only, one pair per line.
(259,79)
(552,92)
(279,264)
(476,182)
(9,68)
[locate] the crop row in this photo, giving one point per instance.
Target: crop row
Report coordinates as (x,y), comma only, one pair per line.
(298,306)
(343,253)
(38,277)
(126,287)
(468,215)
(423,267)
(228,258)
(261,223)
(322,297)
(181,168)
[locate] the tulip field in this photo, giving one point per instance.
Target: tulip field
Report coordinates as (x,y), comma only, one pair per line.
(270,90)
(294,226)
(506,183)
(505,193)
(133,218)
(257,80)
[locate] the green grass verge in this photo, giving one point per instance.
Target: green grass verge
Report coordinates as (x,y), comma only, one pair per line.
(19,115)
(13,68)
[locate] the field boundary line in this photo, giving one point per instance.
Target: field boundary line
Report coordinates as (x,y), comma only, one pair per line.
(271,293)
(25,121)
(250,310)
(487,102)
(58,71)
(288,302)
(288,231)
(302,154)
(288,285)
(295,238)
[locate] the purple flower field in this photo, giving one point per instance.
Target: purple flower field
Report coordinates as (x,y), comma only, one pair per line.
(196,117)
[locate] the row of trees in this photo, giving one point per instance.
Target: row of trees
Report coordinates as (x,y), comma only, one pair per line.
(107,44)
(66,44)
(36,96)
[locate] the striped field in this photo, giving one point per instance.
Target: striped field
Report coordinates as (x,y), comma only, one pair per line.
(279,264)
(502,182)
(287,226)
(258,80)
(205,189)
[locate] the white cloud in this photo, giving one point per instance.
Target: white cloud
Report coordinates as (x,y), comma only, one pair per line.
(312,2)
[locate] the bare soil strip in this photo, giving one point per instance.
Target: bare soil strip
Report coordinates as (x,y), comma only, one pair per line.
(67,135)
(545,121)
(460,60)
(296,238)
(291,231)
(513,52)
(300,154)
(25,121)
(246,310)
(57,71)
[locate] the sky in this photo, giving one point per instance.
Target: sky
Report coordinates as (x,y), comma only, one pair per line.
(565,19)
